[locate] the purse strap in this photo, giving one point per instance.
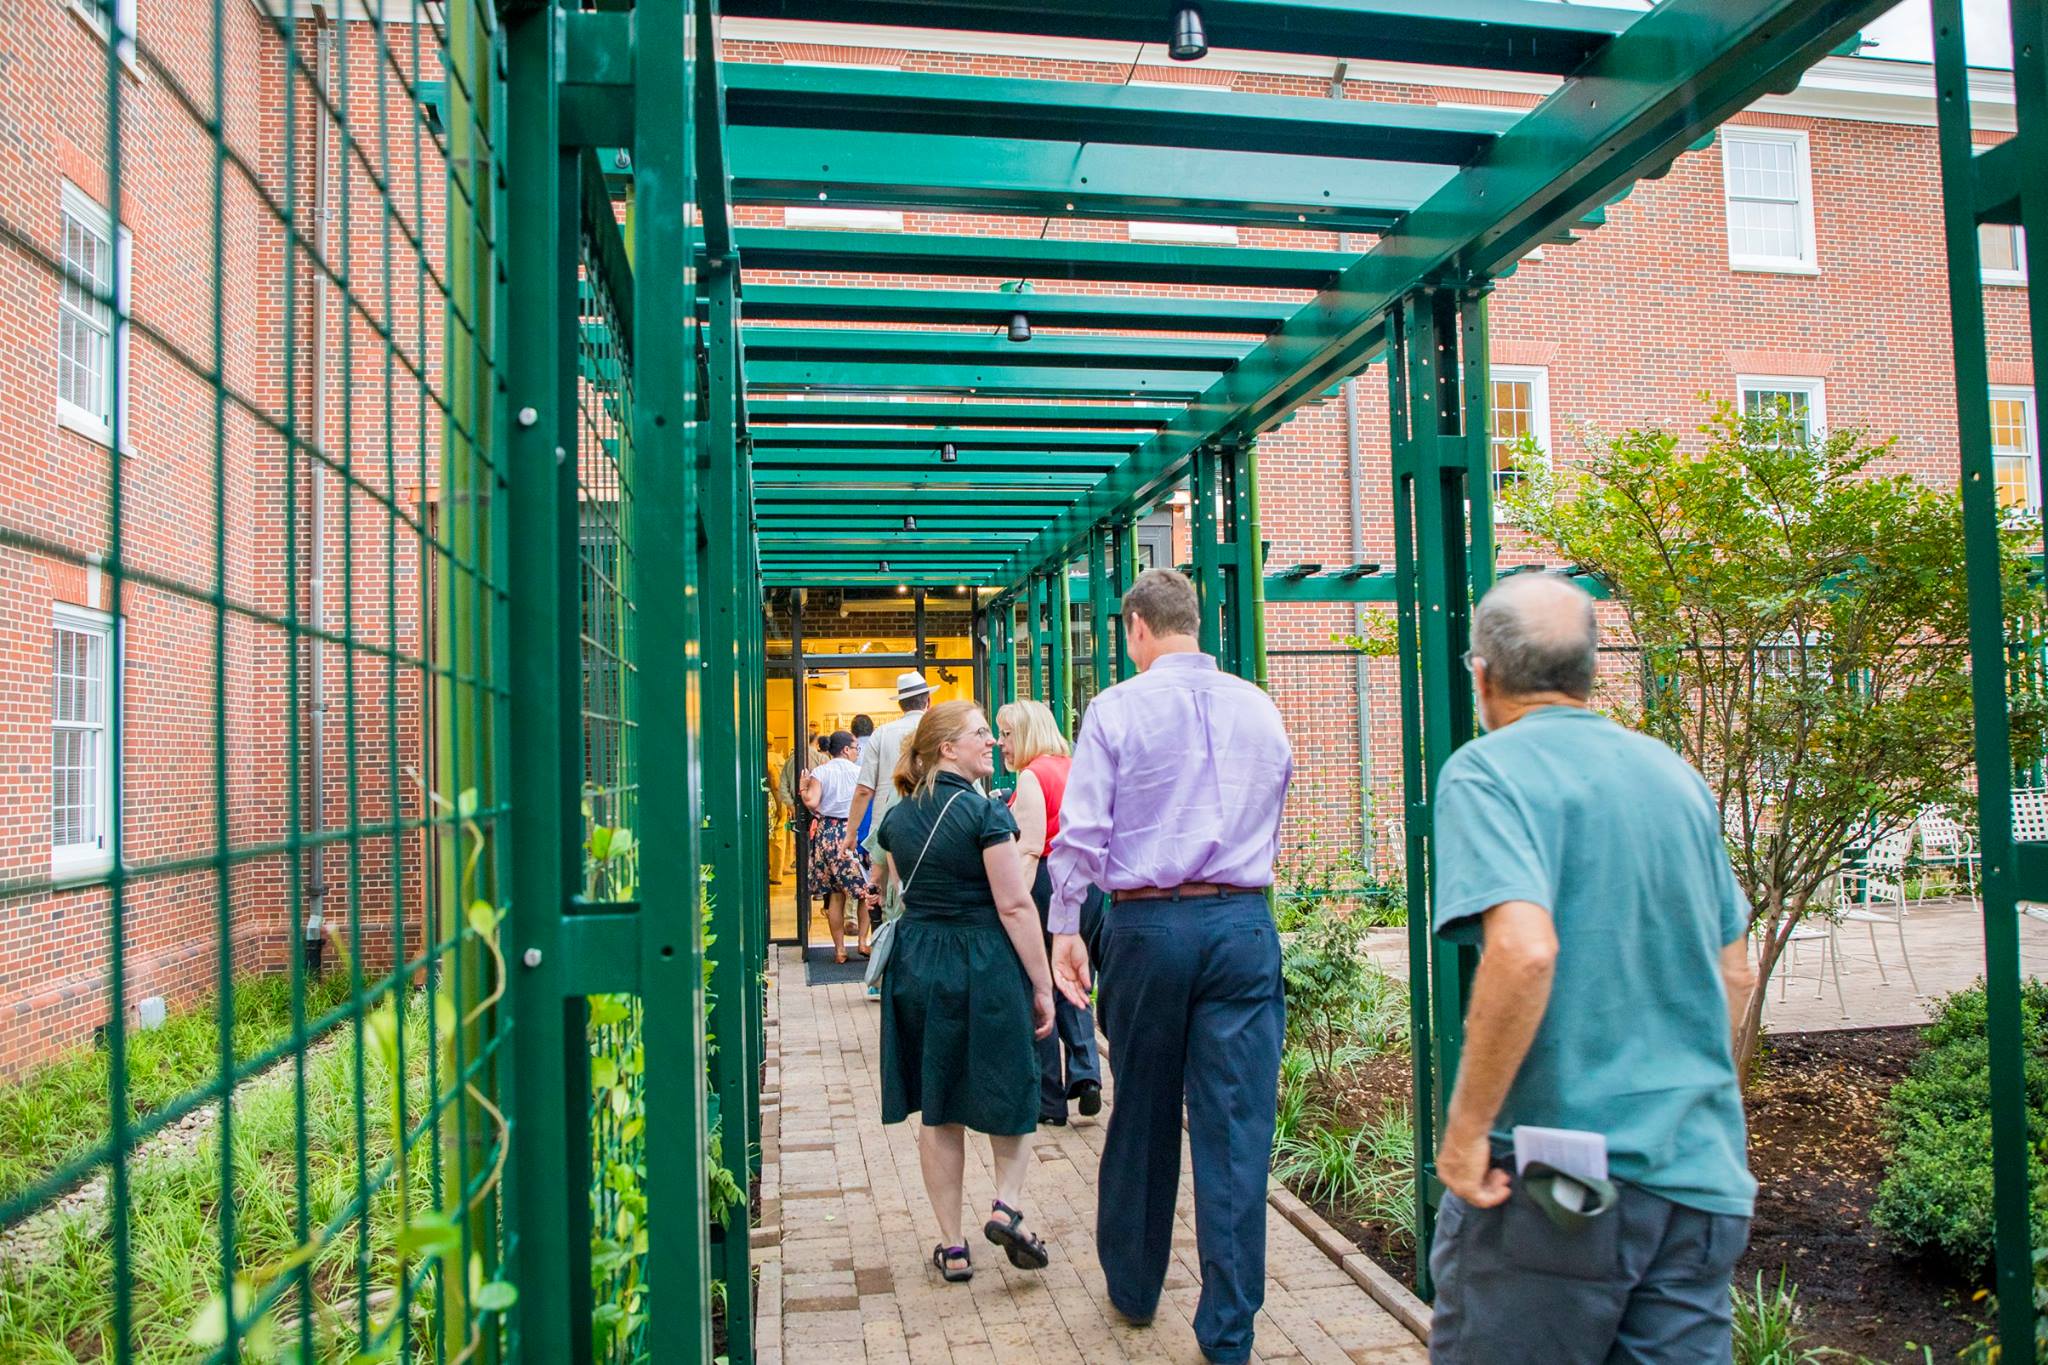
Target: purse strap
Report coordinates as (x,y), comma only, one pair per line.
(928,843)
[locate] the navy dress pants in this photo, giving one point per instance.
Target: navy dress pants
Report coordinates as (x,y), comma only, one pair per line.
(1066,1056)
(1193,1007)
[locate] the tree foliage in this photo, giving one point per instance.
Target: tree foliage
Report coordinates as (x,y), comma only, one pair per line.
(1802,630)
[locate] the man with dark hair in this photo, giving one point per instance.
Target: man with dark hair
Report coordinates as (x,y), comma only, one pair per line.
(863,725)
(1588,861)
(1173,806)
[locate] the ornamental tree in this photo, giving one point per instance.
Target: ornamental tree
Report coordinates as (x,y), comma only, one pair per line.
(1800,630)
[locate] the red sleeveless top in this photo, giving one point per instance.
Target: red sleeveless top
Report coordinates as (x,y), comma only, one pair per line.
(1051,772)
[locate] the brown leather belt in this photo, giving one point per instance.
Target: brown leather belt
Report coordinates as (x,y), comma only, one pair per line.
(1186,890)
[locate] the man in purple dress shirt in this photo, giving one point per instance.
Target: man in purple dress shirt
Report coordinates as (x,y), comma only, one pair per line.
(1173,806)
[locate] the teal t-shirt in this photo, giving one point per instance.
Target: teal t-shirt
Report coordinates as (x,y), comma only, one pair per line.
(1620,840)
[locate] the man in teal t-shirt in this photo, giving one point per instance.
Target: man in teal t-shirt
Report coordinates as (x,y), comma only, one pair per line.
(1589,862)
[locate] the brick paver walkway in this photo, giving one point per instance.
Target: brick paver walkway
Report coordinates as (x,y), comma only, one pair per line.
(846,1235)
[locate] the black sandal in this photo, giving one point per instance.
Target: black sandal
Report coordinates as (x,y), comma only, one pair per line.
(1024,1249)
(943,1253)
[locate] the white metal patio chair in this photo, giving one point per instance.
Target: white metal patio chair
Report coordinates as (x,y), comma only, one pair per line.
(1814,928)
(1947,845)
(1874,893)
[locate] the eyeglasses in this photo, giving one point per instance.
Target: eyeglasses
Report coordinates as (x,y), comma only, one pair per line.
(1468,658)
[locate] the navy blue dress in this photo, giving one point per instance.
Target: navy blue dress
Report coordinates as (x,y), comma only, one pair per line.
(957,1034)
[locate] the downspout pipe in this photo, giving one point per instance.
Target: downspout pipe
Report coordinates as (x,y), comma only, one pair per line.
(1354,467)
(313,932)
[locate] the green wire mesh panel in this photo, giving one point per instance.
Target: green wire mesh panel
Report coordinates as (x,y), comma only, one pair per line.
(611,773)
(262,648)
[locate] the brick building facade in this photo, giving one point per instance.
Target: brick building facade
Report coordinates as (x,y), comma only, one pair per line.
(213,561)
(1832,288)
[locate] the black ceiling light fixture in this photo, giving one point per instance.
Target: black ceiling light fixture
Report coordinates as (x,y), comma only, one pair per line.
(885,566)
(909,523)
(949,453)
(1020,322)
(1190,42)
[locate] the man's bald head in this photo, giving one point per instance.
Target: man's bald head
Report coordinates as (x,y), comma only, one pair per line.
(1537,633)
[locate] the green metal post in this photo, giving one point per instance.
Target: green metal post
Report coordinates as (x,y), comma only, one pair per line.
(726,767)
(1059,664)
(664,437)
(1209,585)
(1126,574)
(1439,444)
(1243,564)
(550,1175)
(1101,599)
(2011,871)
(1034,621)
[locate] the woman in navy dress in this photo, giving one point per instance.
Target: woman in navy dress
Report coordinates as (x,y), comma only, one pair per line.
(967,991)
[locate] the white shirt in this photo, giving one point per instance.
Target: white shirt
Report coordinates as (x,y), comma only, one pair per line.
(878,756)
(836,780)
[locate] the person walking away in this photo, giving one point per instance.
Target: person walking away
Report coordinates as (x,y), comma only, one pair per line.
(875,791)
(1034,749)
(1588,860)
(1173,805)
(836,872)
(791,784)
(778,818)
(967,988)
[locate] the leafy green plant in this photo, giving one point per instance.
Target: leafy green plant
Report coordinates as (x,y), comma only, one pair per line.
(1367,1171)
(1291,1114)
(1802,627)
(1937,1194)
(1767,1330)
(1336,996)
(60,1110)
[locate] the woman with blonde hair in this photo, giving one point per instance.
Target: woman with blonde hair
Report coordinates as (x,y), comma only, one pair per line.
(967,986)
(1035,750)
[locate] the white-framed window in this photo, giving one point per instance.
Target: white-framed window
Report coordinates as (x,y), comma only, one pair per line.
(1804,400)
(2012,449)
(92,337)
(94,15)
(1185,234)
(83,673)
(1768,176)
(2002,252)
(1521,407)
(822,216)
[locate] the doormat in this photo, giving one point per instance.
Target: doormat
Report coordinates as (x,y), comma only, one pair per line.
(821,970)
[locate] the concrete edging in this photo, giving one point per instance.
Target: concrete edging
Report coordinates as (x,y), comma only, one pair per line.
(1388,1292)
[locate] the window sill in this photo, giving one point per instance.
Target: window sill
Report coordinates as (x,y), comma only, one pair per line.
(79,422)
(82,867)
(1752,266)
(82,11)
(2006,277)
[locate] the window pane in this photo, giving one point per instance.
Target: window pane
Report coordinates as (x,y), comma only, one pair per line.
(1514,416)
(2011,473)
(1998,247)
(84,322)
(2009,433)
(1762,170)
(1763,229)
(74,787)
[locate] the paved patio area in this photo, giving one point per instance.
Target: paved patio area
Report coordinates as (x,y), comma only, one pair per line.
(846,1235)
(1945,939)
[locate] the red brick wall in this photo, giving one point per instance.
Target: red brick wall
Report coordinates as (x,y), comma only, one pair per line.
(195,576)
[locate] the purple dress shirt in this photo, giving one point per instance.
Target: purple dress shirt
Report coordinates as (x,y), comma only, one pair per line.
(1180,775)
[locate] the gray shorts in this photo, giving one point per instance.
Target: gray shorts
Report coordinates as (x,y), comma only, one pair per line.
(1646,1282)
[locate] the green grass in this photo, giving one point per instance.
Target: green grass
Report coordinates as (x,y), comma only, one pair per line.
(58,1308)
(60,1110)
(1767,1328)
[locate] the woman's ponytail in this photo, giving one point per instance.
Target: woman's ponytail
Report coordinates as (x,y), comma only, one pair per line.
(918,768)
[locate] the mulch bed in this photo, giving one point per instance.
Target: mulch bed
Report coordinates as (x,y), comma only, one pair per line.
(1818,1158)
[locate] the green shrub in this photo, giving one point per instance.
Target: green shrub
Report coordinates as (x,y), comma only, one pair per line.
(1936,1199)
(1336,996)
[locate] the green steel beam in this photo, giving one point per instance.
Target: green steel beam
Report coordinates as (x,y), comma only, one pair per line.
(1635,105)
(766,412)
(917,500)
(945,349)
(782,376)
(908,463)
(967,440)
(966,175)
(1506,35)
(988,308)
(1190,116)
(1013,476)
(1008,258)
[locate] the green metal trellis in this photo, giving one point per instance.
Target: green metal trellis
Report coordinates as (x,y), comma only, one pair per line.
(556,514)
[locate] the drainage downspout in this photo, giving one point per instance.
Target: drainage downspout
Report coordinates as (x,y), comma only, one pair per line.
(314,932)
